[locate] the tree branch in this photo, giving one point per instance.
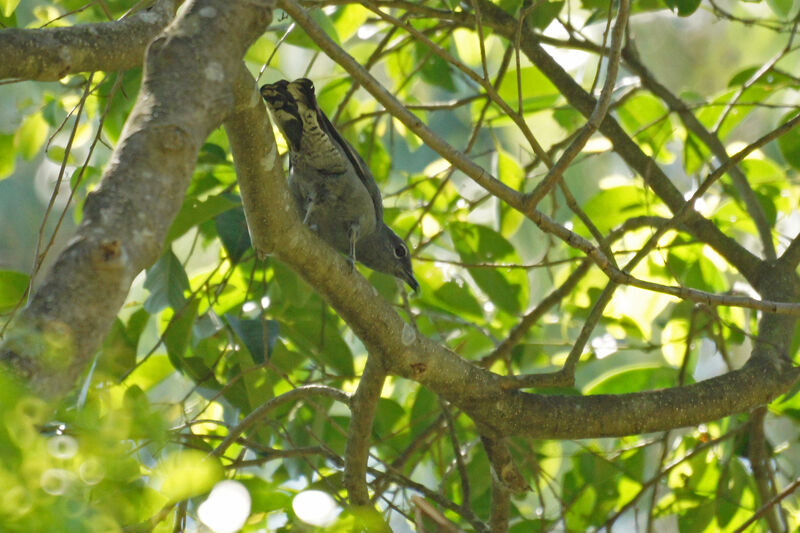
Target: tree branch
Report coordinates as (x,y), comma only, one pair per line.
(595,118)
(261,411)
(51,53)
(742,259)
(363,407)
(186,92)
(478,392)
(791,256)
(788,491)
(759,462)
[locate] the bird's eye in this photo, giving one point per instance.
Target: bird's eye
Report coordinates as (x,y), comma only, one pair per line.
(400,251)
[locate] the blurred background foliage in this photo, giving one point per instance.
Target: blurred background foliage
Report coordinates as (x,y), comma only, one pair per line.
(209,333)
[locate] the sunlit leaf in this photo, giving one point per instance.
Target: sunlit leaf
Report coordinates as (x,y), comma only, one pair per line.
(538,92)
(6,155)
(632,379)
(8,7)
(782,8)
(13,286)
(348,19)
(298,36)
(648,120)
(31,135)
(188,473)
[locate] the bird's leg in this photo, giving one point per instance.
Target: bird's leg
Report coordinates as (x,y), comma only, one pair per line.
(353,234)
(309,207)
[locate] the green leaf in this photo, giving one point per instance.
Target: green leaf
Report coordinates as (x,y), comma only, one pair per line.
(512,174)
(386,417)
(212,154)
(479,244)
(435,70)
(166,280)
(509,170)
(693,269)
(119,346)
(544,13)
(610,207)
(8,7)
(298,36)
(782,8)
(258,335)
(6,155)
(349,19)
(648,119)
(194,212)
(266,497)
(13,286)
(538,92)
(633,378)
(30,136)
(772,79)
(424,411)
(179,332)
(684,7)
(286,288)
(695,154)
(709,115)
(359,519)
(789,143)
(188,473)
(696,518)
(458,298)
(232,229)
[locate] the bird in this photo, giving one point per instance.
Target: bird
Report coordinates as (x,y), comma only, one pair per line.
(331,184)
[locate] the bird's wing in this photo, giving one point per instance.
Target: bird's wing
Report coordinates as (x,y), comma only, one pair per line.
(361,168)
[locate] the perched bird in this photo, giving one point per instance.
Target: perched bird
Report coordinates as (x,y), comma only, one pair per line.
(332,185)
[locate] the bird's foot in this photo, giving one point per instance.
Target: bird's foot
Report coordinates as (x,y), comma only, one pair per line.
(308,210)
(351,258)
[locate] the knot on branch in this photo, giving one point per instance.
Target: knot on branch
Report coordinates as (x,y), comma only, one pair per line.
(173,138)
(106,254)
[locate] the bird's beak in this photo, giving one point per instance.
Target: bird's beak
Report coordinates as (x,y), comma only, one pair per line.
(408,277)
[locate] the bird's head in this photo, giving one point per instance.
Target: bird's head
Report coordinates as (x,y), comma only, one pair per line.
(386,252)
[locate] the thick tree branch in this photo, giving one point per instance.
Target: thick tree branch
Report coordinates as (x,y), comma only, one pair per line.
(186,92)
(51,53)
(501,506)
(363,407)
